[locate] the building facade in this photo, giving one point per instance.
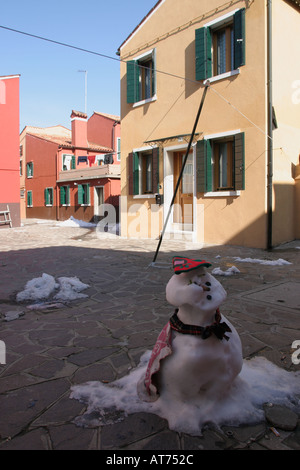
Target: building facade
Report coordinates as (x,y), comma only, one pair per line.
(9,148)
(68,175)
(237,185)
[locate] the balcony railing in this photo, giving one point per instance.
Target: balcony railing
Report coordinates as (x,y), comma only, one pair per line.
(101,171)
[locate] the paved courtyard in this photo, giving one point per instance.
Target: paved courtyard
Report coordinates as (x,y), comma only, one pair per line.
(101,337)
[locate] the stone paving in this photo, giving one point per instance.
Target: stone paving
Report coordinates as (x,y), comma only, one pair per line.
(103,336)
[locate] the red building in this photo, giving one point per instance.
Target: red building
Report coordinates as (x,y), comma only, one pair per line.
(66,173)
(9,148)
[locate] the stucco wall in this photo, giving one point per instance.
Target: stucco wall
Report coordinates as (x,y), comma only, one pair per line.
(235,103)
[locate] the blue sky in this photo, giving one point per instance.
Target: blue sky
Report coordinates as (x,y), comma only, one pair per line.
(50,84)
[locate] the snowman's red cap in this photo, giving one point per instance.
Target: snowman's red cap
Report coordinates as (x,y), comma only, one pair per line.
(183,265)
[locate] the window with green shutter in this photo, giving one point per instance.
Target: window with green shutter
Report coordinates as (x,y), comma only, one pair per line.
(220,48)
(73,163)
(48,193)
(144,172)
(68,162)
(141,78)
(65,195)
(119,149)
(221,164)
(29,199)
(29,170)
(84,194)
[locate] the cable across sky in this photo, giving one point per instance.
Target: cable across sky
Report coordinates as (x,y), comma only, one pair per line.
(109,57)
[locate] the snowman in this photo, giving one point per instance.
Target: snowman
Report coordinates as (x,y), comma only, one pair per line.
(198,354)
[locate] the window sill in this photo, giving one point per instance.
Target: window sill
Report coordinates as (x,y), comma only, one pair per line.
(48,205)
(144,196)
(222,193)
(148,100)
(216,78)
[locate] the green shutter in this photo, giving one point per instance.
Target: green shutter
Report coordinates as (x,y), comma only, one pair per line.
(67,192)
(204,166)
(132,81)
(136,173)
(80,194)
(29,170)
(239,38)
(46,196)
(155,170)
(73,163)
(62,195)
(154,73)
(87,194)
(203,44)
(29,198)
(239,161)
(209,167)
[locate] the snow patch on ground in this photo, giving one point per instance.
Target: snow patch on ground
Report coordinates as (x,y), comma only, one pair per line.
(229,272)
(72,222)
(266,262)
(46,287)
(259,382)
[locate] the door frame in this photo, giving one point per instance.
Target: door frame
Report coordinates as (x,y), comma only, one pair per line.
(96,206)
(169,187)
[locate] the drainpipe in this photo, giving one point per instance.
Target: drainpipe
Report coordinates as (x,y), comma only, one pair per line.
(270,128)
(57,178)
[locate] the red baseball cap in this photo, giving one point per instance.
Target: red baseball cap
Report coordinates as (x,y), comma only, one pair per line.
(182,265)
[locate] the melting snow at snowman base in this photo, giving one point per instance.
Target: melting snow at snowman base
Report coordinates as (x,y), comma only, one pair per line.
(192,379)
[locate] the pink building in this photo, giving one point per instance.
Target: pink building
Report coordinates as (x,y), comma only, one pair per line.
(9,148)
(68,174)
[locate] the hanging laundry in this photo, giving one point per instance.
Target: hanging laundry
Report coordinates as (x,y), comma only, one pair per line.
(99,159)
(82,159)
(91,159)
(67,162)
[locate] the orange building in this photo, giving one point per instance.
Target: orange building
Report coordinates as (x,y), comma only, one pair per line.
(68,175)
(9,149)
(240,183)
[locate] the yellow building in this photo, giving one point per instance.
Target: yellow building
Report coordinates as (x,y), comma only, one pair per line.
(240,58)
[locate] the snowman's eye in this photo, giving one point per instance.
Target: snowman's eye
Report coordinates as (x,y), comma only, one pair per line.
(208,284)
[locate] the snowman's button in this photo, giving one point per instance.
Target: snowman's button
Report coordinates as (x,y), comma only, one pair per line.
(208,297)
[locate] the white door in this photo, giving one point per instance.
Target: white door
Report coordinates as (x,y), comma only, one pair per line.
(98,200)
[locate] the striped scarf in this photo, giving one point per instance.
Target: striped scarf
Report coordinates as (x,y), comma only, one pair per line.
(217,328)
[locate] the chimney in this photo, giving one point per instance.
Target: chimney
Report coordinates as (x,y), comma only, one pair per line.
(79,130)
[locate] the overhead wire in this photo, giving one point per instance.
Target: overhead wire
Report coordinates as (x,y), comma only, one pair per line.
(119,60)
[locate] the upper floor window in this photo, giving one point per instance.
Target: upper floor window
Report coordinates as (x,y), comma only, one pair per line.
(119,149)
(68,162)
(220,46)
(29,170)
(141,78)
